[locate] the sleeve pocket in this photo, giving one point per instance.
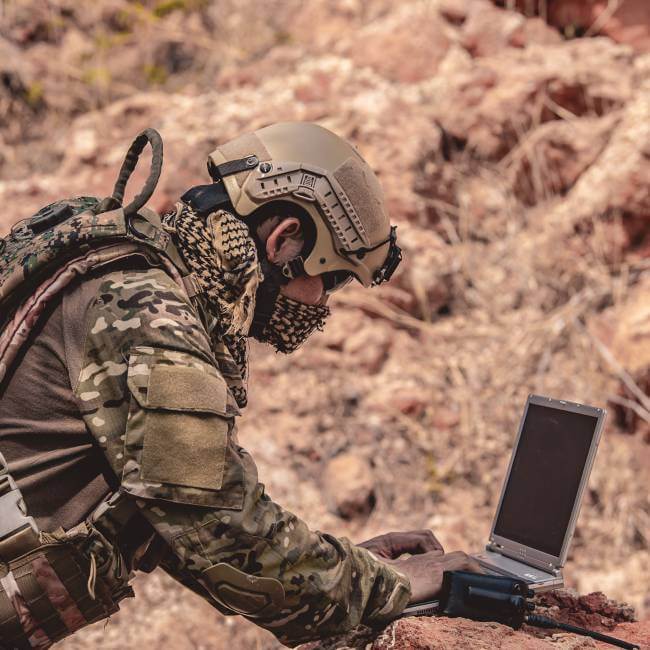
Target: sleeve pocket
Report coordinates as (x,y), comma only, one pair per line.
(177,442)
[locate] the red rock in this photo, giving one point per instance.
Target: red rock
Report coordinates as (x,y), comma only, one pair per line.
(624,22)
(613,190)
(399,51)
(638,633)
(440,633)
(593,611)
(488,30)
(628,22)
(460,634)
(553,156)
(445,634)
(349,485)
(490,103)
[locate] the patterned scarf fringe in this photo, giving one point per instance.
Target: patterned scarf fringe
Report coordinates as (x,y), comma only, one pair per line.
(222,255)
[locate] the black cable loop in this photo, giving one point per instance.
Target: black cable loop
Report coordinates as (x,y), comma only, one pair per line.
(542,621)
(152,137)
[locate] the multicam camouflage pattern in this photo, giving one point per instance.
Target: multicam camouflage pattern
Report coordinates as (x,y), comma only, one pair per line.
(200,423)
(329,584)
(22,320)
(141,325)
(157,392)
(36,265)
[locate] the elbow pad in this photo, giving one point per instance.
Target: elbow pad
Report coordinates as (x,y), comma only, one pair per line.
(242,593)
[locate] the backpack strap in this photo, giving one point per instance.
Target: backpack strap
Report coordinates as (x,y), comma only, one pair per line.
(17,329)
(147,226)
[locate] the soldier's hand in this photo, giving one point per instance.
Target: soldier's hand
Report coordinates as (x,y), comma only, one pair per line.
(425,571)
(393,545)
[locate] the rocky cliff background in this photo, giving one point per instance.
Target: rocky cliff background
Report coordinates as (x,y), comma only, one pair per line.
(513,143)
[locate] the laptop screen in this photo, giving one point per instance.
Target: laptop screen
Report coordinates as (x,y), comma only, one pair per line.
(545,477)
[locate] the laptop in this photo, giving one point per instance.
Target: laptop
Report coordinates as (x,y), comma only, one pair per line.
(546,478)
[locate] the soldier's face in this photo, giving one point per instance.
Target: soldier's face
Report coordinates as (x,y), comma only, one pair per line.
(290,311)
(306,289)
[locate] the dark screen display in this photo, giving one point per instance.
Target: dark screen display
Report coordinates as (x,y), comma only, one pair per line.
(545,477)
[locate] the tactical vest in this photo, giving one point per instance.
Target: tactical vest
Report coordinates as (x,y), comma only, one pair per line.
(53,583)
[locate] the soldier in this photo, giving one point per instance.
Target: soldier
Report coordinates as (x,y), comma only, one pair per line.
(124,372)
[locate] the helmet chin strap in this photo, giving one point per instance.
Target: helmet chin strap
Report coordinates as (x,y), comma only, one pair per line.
(267,293)
(294,268)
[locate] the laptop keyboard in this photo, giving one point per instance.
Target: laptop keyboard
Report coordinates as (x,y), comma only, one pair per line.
(490,572)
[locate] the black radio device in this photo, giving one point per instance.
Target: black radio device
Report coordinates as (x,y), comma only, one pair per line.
(501,599)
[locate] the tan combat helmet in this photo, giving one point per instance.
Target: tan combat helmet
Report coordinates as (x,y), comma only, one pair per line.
(306,164)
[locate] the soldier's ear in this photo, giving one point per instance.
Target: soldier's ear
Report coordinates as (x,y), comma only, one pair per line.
(285,241)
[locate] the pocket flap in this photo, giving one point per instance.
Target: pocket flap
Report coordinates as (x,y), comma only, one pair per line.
(177,443)
(178,388)
(177,381)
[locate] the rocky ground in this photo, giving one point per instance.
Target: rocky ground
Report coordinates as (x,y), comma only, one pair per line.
(594,611)
(515,160)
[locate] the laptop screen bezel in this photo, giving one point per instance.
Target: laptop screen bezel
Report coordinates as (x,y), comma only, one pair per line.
(520,551)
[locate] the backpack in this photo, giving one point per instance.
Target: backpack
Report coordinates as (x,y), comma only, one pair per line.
(68,238)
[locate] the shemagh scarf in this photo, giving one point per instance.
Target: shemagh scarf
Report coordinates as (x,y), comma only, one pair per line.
(221,254)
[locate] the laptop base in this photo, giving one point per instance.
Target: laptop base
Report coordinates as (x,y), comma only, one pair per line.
(538,580)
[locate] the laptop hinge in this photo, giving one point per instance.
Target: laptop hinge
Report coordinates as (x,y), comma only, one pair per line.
(513,555)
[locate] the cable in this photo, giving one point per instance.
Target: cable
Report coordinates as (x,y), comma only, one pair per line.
(496,598)
(541,621)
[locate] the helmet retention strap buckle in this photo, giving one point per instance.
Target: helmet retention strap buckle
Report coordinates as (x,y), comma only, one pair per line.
(294,268)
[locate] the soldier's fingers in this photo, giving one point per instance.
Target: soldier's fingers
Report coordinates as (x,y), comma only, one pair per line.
(459,561)
(429,542)
(414,542)
(378,545)
(474,566)
(395,544)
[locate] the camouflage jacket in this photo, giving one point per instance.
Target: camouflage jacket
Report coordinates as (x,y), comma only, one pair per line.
(156,401)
